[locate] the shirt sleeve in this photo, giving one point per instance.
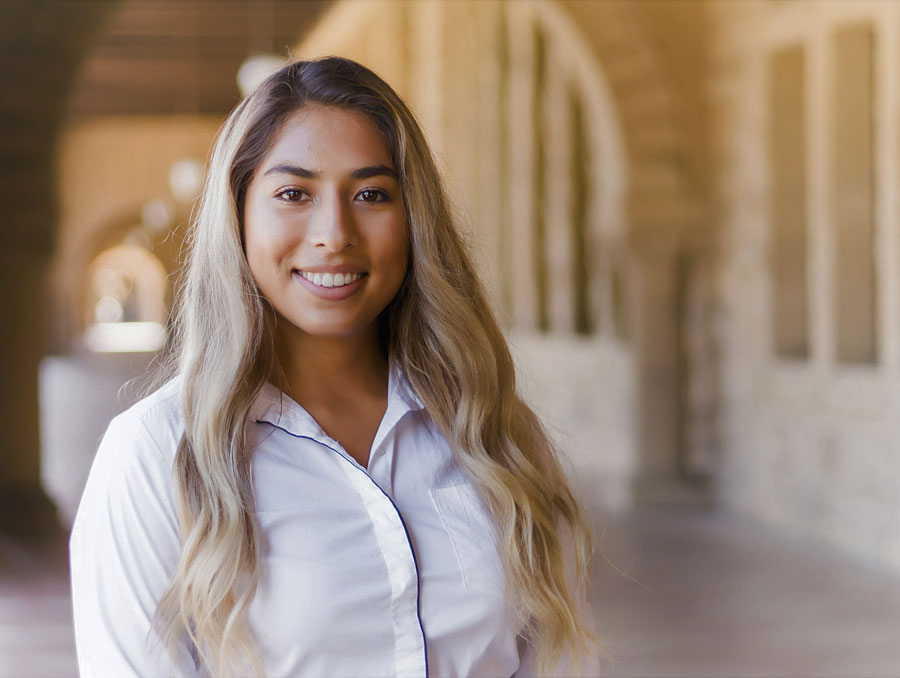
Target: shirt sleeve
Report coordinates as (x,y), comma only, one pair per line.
(123,549)
(589,666)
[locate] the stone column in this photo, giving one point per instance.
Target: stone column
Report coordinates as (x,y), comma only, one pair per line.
(24,507)
(43,44)
(658,342)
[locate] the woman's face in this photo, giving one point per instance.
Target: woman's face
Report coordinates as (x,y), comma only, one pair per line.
(324,223)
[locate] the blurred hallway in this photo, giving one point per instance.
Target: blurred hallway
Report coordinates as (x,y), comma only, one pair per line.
(711,594)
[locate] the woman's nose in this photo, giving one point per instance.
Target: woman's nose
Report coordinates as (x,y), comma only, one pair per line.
(333,227)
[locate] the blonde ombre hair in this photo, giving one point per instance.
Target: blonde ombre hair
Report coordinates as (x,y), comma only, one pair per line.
(439,328)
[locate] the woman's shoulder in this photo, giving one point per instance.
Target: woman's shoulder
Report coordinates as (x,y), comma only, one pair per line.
(131,474)
(155,420)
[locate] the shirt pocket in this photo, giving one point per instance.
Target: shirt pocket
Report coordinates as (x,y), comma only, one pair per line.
(472,534)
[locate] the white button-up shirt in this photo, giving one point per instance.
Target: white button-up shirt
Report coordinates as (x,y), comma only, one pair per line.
(388,570)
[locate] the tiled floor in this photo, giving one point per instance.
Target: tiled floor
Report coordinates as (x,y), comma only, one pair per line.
(699,594)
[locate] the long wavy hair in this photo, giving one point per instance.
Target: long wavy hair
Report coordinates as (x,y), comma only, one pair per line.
(439,328)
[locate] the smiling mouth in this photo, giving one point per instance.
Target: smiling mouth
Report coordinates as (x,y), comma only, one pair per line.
(330,279)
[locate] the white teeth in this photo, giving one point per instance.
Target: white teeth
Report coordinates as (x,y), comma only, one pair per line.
(331,279)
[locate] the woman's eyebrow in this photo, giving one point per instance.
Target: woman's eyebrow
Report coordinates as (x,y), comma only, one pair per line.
(291,169)
(361,173)
(374,171)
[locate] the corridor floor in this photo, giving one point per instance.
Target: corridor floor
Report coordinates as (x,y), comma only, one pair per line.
(690,594)
(712,594)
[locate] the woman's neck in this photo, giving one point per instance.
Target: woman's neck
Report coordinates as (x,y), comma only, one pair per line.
(332,372)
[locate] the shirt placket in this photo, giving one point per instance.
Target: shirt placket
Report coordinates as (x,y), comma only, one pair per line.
(396,547)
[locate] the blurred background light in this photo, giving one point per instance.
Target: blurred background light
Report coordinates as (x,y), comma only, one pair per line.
(157,214)
(256,69)
(124,337)
(186,179)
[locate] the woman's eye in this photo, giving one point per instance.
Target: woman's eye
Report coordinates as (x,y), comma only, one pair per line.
(373,195)
(291,194)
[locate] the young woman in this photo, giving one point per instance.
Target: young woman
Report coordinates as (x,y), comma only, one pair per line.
(340,478)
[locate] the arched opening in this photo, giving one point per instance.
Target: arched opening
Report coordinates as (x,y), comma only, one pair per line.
(125,306)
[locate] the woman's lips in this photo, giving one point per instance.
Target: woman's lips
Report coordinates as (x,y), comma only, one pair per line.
(330,293)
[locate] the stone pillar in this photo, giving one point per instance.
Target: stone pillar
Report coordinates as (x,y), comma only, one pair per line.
(42,48)
(658,340)
(24,507)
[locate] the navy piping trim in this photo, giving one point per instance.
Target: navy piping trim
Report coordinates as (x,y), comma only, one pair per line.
(399,515)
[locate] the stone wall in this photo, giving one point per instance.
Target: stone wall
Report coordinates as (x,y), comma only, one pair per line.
(583,390)
(808,442)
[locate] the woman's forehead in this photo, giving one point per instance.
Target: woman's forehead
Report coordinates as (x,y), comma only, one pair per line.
(326,139)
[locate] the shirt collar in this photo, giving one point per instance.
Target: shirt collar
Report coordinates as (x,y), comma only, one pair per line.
(279,409)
